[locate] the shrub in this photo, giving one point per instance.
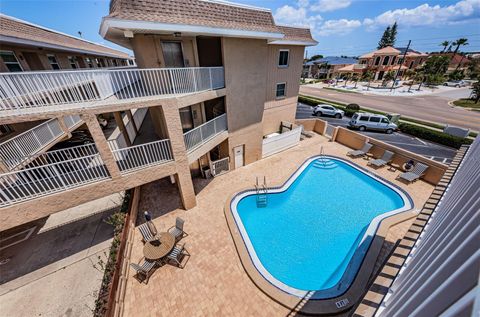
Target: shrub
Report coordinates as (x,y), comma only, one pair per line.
(433,135)
(351,109)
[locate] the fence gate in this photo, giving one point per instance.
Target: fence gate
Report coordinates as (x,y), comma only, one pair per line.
(329,130)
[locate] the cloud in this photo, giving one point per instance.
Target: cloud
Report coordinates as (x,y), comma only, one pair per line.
(296,16)
(338,27)
(425,14)
(329,5)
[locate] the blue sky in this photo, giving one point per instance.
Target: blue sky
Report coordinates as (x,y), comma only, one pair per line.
(342,27)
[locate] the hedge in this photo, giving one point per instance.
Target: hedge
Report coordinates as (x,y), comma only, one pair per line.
(433,135)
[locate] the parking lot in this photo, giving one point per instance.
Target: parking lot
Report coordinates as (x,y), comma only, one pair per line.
(428,149)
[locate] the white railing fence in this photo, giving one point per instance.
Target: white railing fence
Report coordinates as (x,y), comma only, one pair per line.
(16,150)
(204,132)
(143,155)
(220,166)
(40,89)
(71,121)
(62,155)
(50,178)
(281,142)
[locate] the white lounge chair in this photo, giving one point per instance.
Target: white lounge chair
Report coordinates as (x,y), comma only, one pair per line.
(144,269)
(147,234)
(177,230)
(364,150)
(384,160)
(177,254)
(417,172)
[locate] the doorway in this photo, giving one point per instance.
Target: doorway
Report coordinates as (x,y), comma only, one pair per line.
(173,54)
(238,154)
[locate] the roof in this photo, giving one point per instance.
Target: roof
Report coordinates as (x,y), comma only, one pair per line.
(164,15)
(337,60)
(383,51)
(18,31)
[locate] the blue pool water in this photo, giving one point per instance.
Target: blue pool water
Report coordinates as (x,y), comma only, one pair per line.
(307,235)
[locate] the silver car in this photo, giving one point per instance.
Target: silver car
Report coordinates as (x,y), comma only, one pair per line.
(328,110)
(370,121)
(455,83)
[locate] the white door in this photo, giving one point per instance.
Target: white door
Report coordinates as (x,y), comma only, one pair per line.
(238,153)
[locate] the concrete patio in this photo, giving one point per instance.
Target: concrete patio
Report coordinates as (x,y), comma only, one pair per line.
(214,283)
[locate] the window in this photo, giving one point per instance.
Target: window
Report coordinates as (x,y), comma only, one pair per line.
(385,120)
(283,58)
(89,62)
(374,119)
(386,60)
(363,118)
(97,62)
(393,60)
(400,61)
(11,61)
(52,59)
(377,60)
(281,90)
(411,65)
(73,62)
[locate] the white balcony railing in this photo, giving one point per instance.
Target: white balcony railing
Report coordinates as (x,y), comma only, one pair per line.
(220,166)
(201,134)
(144,155)
(21,147)
(88,87)
(53,172)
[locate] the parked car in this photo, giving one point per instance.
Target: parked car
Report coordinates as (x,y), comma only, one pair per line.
(369,121)
(455,83)
(328,110)
(79,137)
(328,81)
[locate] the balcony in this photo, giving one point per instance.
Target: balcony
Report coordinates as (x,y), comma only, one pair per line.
(21,148)
(205,134)
(32,92)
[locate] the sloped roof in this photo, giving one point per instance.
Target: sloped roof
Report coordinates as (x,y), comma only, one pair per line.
(410,52)
(337,60)
(23,30)
(383,51)
(295,33)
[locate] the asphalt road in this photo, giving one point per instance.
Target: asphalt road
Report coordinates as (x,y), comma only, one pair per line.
(430,150)
(432,107)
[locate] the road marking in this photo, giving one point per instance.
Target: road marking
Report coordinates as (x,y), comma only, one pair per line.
(421,141)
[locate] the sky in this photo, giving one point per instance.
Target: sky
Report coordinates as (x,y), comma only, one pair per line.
(342,27)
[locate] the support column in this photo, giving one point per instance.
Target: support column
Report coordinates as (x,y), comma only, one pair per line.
(102,145)
(183,176)
(121,126)
(130,118)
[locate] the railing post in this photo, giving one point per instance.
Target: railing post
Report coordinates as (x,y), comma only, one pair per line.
(172,81)
(211,81)
(194,79)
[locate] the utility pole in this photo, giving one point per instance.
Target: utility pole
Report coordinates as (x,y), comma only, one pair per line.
(400,65)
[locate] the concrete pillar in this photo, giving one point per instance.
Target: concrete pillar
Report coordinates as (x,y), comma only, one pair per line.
(102,145)
(130,118)
(119,120)
(183,177)
(334,134)
(64,127)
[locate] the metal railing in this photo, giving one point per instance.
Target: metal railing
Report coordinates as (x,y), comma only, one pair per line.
(21,147)
(196,137)
(86,87)
(53,172)
(144,155)
(220,166)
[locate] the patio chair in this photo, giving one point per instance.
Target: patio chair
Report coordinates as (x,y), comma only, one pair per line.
(384,160)
(177,230)
(359,153)
(413,175)
(177,254)
(144,269)
(147,234)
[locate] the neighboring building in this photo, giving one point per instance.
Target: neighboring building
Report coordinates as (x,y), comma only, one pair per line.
(214,78)
(387,59)
(28,47)
(457,61)
(327,67)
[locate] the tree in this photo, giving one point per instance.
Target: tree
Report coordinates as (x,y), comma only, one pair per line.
(347,77)
(390,75)
(419,77)
(474,68)
(476,91)
(445,45)
(458,43)
(315,57)
(436,64)
(355,78)
(367,76)
(385,38)
(393,35)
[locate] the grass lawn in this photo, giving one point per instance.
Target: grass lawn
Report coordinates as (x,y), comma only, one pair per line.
(467,103)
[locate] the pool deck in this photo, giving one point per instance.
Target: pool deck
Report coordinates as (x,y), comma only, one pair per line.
(214,282)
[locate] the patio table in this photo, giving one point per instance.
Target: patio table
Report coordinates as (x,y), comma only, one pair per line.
(157,249)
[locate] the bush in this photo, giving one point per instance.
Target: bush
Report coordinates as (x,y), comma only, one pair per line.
(433,135)
(351,109)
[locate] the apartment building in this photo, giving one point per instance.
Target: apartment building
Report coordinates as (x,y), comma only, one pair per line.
(387,59)
(213,79)
(25,46)
(327,67)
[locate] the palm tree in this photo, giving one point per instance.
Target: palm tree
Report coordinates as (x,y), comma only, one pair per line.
(367,76)
(346,77)
(390,75)
(458,43)
(419,76)
(355,78)
(445,45)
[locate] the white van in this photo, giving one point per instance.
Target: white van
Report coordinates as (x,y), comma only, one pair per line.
(369,121)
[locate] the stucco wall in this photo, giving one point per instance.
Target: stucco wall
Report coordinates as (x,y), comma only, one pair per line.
(278,111)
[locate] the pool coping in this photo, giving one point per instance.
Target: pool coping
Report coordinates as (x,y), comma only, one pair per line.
(356,289)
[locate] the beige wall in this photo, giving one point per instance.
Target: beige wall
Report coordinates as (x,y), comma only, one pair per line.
(278,111)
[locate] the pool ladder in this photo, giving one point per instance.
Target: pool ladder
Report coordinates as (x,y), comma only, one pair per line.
(322,156)
(262,192)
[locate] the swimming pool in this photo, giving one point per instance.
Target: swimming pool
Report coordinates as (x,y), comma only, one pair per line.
(316,229)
